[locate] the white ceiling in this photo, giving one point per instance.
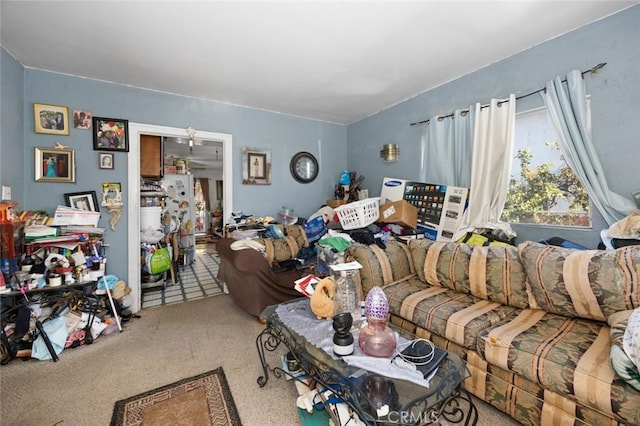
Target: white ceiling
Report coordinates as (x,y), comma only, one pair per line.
(337,61)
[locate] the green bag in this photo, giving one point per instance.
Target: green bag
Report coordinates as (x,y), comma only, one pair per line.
(159,261)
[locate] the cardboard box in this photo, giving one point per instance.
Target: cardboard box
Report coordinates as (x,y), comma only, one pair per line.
(335,203)
(399,212)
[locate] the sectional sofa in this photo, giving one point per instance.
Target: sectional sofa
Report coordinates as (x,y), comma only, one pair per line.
(256,279)
(530,321)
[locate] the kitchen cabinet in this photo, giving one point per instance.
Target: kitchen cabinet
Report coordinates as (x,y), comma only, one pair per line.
(151,156)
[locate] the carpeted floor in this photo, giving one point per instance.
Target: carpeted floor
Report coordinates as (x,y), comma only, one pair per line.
(166,344)
(194,281)
(202,400)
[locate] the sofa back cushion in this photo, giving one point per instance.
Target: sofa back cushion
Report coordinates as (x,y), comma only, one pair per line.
(492,273)
(381,267)
(287,248)
(590,284)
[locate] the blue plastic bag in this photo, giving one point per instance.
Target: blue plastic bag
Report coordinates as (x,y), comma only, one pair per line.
(315,228)
(56,329)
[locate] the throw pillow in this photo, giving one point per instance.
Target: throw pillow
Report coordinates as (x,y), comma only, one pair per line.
(591,284)
(492,273)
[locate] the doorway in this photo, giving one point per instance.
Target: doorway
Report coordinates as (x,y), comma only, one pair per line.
(133,198)
(203,159)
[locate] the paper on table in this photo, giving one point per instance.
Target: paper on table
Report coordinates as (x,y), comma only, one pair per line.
(40,231)
(69,216)
(83,229)
(305,285)
(345,266)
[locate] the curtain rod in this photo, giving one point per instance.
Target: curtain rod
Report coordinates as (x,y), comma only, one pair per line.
(593,71)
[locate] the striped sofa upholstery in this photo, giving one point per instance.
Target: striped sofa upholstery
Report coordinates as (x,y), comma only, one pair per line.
(287,248)
(531,321)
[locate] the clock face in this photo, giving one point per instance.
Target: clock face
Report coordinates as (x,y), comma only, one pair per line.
(304,167)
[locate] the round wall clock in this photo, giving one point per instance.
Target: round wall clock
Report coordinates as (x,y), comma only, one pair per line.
(304,167)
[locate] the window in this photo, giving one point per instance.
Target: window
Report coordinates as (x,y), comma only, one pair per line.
(543,189)
(201,207)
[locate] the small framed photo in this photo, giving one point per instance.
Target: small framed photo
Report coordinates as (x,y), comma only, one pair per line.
(256,166)
(105,160)
(51,119)
(55,165)
(82,119)
(110,134)
(87,200)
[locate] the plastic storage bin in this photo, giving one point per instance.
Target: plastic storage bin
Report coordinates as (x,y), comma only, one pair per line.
(359,214)
(150,217)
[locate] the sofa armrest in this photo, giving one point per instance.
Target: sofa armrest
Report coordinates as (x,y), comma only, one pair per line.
(252,283)
(243,260)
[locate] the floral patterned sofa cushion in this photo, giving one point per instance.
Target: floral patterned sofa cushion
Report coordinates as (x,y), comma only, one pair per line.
(569,356)
(458,317)
(287,248)
(591,284)
(381,267)
(492,273)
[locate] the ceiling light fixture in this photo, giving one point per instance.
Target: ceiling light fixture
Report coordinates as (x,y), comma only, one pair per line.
(390,152)
(191,132)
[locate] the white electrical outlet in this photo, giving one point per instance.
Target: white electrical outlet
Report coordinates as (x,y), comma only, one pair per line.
(6,193)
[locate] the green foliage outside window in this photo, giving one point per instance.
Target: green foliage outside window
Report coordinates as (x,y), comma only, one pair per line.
(545,195)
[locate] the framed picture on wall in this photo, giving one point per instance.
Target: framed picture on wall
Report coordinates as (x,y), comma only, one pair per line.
(110,134)
(82,119)
(256,166)
(55,165)
(51,119)
(87,200)
(105,160)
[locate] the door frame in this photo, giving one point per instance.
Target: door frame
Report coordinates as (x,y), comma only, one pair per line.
(133,198)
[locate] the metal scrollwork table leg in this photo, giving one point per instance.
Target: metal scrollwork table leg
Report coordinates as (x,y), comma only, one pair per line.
(269,339)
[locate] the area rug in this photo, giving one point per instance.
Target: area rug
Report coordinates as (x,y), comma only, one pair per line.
(202,400)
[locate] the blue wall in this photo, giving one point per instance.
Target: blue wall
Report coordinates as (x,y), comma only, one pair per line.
(615,95)
(615,104)
(11,124)
(283,134)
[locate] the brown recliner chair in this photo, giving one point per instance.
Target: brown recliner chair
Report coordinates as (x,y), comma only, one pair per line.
(256,281)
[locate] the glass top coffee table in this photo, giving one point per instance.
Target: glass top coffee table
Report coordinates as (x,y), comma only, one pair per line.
(374,398)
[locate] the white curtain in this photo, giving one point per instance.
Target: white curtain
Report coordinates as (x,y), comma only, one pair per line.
(494,131)
(566,108)
(446,149)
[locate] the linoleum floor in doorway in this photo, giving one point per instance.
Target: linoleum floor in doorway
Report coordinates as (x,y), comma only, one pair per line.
(194,281)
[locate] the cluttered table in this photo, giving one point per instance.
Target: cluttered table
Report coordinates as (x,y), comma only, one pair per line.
(363,390)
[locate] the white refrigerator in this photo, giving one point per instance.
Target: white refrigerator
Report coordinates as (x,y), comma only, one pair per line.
(180,204)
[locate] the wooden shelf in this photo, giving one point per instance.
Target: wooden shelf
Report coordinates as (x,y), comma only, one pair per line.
(62,287)
(153,194)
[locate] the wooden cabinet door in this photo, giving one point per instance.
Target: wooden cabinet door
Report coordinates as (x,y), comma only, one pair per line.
(150,156)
